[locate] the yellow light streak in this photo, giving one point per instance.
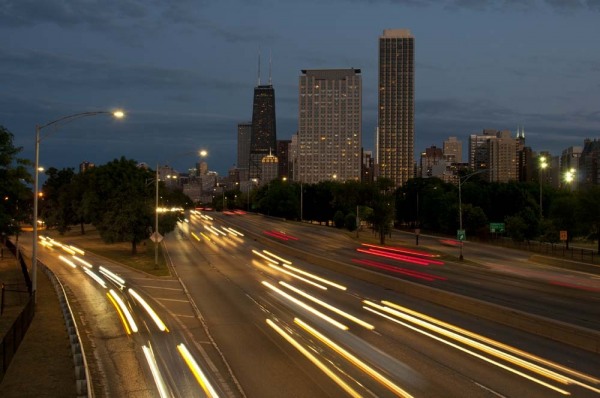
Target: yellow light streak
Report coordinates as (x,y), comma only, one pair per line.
(196,237)
(68,249)
(354,360)
(159,323)
(196,371)
(77,250)
(268,253)
(69,262)
(82,261)
(95,277)
(269,259)
(314,360)
(323,280)
(112,276)
(112,300)
(498,344)
(125,311)
(328,306)
(297,276)
(463,349)
(158,379)
(306,306)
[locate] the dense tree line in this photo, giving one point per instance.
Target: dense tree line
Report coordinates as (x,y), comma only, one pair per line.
(433,206)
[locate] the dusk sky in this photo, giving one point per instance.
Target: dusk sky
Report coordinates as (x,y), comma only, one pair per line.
(184,70)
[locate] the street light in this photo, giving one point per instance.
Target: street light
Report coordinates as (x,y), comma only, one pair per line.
(570,177)
(542,165)
(65,119)
(462,180)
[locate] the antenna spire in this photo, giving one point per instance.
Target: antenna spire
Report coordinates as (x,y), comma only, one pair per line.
(270,81)
(258,66)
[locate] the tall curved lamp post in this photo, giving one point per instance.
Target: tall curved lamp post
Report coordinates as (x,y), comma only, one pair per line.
(462,180)
(38,128)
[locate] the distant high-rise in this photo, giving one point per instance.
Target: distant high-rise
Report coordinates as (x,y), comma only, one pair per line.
(263,136)
(269,168)
(329,125)
(85,166)
(243,149)
(283,154)
(452,150)
(396,129)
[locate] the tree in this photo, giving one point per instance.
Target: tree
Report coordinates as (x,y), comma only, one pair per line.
(16,199)
(57,208)
(123,201)
(383,205)
(589,211)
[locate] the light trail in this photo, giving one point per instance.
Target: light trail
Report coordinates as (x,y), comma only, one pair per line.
(67,261)
(297,276)
(196,371)
(354,360)
(113,277)
(82,261)
(159,323)
(124,311)
(314,360)
(458,347)
(318,278)
(283,260)
(306,306)
(495,343)
(158,379)
(328,306)
(95,277)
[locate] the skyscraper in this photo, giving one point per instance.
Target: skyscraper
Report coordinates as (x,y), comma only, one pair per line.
(396,130)
(243,149)
(329,125)
(263,135)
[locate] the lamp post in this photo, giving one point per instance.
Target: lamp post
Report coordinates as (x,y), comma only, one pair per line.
(156,233)
(462,180)
(38,128)
(542,165)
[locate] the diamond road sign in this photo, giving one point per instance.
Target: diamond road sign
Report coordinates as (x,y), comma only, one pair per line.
(156,237)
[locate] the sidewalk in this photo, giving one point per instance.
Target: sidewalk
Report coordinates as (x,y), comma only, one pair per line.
(43,364)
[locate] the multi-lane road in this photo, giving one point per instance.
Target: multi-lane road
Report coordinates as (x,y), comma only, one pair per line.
(243,316)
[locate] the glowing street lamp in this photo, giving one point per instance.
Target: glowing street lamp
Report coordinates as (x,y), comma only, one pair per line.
(543,164)
(570,176)
(65,119)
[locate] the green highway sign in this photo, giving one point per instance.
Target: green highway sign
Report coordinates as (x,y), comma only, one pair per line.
(497,227)
(461,235)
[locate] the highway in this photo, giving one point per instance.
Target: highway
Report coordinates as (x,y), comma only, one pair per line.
(497,275)
(261,323)
(251,298)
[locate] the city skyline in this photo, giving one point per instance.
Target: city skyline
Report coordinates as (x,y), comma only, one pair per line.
(185,73)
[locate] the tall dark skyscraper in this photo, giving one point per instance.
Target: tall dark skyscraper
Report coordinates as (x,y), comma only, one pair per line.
(263,136)
(243,149)
(396,127)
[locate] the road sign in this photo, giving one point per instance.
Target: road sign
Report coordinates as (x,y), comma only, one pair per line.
(156,237)
(563,235)
(461,234)
(497,227)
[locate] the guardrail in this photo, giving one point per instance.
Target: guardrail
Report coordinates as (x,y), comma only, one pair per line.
(82,377)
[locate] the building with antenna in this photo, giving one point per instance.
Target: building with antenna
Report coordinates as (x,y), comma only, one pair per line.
(263,134)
